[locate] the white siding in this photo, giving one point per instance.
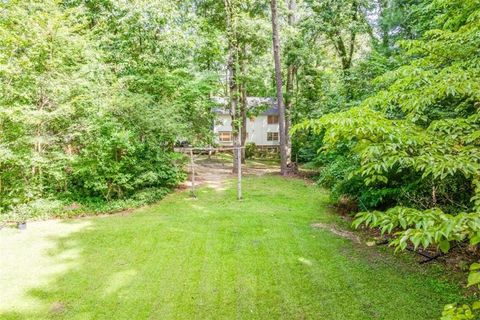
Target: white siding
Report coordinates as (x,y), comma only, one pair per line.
(257,129)
(222,123)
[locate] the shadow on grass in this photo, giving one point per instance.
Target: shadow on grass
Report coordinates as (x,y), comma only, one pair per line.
(214,258)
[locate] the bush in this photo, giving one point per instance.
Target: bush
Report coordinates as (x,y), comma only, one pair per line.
(250,150)
(150,195)
(34,210)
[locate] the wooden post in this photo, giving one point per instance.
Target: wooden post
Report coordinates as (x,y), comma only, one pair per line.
(192,168)
(239,173)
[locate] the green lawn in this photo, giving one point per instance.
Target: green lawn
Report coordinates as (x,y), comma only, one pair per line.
(213,258)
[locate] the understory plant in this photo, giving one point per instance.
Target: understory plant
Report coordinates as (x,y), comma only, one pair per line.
(423,124)
(87,113)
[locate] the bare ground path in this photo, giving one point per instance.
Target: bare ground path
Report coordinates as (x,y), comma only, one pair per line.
(215,171)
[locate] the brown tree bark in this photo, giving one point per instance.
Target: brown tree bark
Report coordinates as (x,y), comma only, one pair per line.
(345,48)
(278,80)
(243,100)
(243,119)
(291,71)
(232,77)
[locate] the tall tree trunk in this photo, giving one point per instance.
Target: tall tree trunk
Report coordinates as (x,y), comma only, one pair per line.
(233,97)
(243,100)
(243,118)
(384,27)
(347,66)
(232,77)
(291,70)
(38,146)
(278,79)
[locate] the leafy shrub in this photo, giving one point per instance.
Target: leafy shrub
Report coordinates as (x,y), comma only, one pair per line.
(418,140)
(336,171)
(90,119)
(150,195)
(34,210)
(250,150)
(306,146)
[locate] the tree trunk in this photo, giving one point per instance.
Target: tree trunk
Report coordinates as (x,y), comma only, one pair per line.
(243,118)
(348,65)
(243,101)
(384,27)
(232,78)
(291,70)
(38,146)
(233,100)
(278,80)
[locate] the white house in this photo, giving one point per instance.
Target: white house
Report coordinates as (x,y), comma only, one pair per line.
(262,129)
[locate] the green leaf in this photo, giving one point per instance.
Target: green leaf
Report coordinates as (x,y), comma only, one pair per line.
(473,278)
(476,305)
(475,239)
(444,245)
(475,266)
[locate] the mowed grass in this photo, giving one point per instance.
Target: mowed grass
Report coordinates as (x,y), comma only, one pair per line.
(217,258)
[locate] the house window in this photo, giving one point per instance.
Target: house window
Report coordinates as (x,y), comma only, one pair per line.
(272,136)
(225,136)
(272,119)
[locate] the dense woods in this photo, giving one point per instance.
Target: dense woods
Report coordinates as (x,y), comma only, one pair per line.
(93,97)
(382,97)
(398,137)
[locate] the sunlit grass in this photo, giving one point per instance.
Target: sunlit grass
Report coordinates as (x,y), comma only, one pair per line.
(216,258)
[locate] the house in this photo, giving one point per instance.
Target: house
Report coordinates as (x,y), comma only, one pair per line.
(262,122)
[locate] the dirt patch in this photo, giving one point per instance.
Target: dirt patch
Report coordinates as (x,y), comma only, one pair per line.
(57,308)
(346,206)
(214,173)
(335,230)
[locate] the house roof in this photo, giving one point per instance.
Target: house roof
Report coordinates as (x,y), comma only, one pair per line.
(252,103)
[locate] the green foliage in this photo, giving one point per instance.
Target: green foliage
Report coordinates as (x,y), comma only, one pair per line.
(452,312)
(425,121)
(88,106)
(425,227)
(150,195)
(250,149)
(334,175)
(37,209)
(418,136)
(459,312)
(95,94)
